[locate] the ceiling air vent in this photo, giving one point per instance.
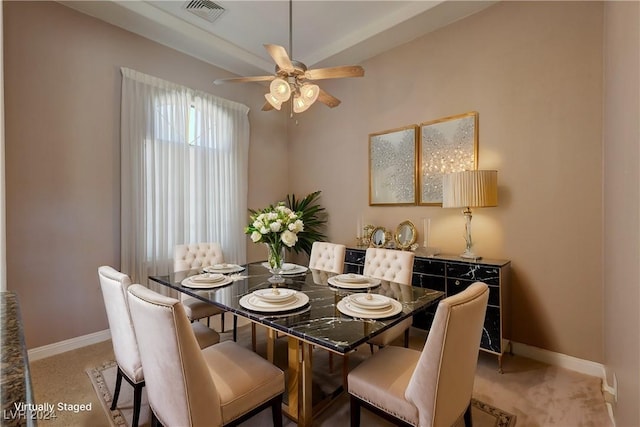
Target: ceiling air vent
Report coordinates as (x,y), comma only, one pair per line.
(205,9)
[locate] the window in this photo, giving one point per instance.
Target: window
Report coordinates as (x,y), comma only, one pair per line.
(184,173)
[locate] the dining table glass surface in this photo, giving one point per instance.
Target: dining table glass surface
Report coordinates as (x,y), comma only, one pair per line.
(318,321)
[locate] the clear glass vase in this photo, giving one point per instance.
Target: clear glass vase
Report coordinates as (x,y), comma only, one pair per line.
(275,258)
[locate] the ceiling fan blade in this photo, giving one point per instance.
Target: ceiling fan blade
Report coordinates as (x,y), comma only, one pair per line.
(328,100)
(280,56)
(335,72)
(267,106)
(244,79)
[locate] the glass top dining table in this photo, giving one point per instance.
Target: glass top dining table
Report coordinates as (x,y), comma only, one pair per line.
(318,323)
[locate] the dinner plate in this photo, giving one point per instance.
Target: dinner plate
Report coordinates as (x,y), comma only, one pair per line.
(223,268)
(207,278)
(345,307)
(370,283)
(297,269)
(288,269)
(351,278)
(370,301)
(286,266)
(254,303)
(277,295)
(188,283)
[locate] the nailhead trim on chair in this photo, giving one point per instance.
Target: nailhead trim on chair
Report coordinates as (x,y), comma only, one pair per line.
(400,417)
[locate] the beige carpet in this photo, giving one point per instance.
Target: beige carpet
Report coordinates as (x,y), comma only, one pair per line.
(103,380)
(325,382)
(538,394)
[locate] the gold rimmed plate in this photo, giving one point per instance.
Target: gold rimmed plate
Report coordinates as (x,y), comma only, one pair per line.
(254,303)
(345,307)
(370,283)
(198,284)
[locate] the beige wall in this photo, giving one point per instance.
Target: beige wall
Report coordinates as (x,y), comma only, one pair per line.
(622,205)
(533,71)
(62,87)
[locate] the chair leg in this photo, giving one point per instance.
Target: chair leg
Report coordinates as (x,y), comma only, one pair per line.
(355,412)
(235,327)
(222,321)
(137,400)
(253,337)
(116,393)
(371,347)
(467,416)
(406,338)
(276,411)
(154,420)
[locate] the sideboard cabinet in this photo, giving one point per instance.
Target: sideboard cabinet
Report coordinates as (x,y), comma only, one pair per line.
(452,274)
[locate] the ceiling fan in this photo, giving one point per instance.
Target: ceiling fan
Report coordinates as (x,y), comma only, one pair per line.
(293,81)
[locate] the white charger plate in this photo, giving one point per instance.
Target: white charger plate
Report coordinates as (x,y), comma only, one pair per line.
(370,283)
(345,307)
(254,303)
(223,268)
(188,283)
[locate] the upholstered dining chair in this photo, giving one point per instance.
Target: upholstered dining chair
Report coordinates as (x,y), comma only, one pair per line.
(393,266)
(327,257)
(114,286)
(431,387)
(188,257)
(221,385)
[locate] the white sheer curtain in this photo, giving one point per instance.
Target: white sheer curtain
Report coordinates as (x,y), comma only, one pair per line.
(184,168)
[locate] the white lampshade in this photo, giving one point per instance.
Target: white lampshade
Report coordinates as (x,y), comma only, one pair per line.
(468,189)
(308,95)
(280,89)
(275,103)
(309,92)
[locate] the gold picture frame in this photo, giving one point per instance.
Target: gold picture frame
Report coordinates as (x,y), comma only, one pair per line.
(393,166)
(446,145)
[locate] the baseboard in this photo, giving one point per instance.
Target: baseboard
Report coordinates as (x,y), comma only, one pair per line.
(67,345)
(587,367)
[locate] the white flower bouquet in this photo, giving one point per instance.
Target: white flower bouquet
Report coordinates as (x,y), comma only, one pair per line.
(276,226)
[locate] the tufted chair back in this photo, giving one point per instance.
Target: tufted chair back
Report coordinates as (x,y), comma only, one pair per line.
(180,389)
(389,264)
(188,257)
(442,382)
(327,257)
(114,286)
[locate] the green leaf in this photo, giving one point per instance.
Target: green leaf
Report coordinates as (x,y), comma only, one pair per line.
(314,218)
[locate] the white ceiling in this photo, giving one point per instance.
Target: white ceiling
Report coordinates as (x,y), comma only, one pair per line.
(325,33)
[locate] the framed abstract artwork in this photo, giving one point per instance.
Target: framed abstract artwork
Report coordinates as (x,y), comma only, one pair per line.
(392,166)
(446,145)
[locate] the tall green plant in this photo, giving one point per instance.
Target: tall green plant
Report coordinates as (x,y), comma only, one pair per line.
(314,218)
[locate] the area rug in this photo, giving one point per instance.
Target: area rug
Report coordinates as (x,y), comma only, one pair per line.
(103,379)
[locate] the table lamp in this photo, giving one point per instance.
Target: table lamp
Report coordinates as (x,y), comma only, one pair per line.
(470,189)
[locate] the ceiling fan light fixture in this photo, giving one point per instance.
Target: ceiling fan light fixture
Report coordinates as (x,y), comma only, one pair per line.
(309,92)
(275,102)
(300,105)
(280,89)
